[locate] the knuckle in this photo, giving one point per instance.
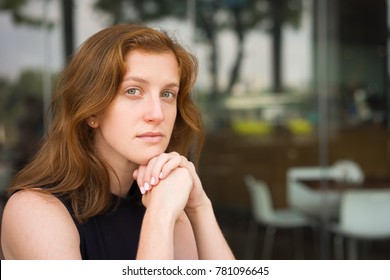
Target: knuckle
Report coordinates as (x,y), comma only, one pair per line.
(175,154)
(152,160)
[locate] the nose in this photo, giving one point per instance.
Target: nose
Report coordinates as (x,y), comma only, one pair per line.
(154,111)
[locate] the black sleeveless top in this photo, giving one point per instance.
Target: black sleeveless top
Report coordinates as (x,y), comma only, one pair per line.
(113,235)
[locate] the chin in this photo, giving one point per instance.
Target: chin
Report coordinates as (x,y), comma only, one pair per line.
(146,158)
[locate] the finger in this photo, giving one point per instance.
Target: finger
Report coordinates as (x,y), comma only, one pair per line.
(140,178)
(175,162)
(158,165)
(148,179)
(154,168)
(146,199)
(135,174)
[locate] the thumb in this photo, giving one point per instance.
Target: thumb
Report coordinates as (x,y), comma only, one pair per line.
(135,174)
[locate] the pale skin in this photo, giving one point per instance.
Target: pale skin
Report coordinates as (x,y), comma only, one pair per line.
(132,136)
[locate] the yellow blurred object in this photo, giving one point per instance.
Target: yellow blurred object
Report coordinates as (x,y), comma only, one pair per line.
(299,126)
(252,127)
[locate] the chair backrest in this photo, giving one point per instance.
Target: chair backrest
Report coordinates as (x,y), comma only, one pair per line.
(262,207)
(342,170)
(347,171)
(314,202)
(309,173)
(365,213)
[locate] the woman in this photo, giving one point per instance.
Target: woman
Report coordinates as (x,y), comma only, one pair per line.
(123,126)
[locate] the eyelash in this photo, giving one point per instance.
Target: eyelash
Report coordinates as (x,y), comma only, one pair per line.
(132,89)
(172,94)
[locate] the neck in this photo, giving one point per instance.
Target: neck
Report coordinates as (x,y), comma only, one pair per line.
(121,181)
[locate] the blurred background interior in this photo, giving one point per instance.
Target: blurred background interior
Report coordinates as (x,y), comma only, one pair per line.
(295,100)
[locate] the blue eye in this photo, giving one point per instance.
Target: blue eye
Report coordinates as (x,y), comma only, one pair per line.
(168,94)
(133,91)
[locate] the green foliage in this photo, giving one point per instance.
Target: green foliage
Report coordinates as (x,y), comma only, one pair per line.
(212,16)
(12,4)
(216,14)
(13,96)
(19,15)
(28,84)
(141,11)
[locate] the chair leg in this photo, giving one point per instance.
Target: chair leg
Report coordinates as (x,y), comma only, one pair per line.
(251,240)
(316,241)
(268,242)
(298,244)
(352,249)
(338,242)
(364,248)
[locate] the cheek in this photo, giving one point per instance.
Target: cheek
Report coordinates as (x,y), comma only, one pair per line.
(119,114)
(112,123)
(115,126)
(171,115)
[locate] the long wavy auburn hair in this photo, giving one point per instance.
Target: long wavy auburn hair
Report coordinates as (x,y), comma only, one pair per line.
(67,164)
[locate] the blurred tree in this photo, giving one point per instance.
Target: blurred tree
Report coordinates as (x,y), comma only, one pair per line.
(4,88)
(29,83)
(212,16)
(20,15)
(243,16)
(21,112)
(68,27)
(282,12)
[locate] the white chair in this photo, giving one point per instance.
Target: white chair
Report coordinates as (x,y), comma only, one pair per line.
(273,219)
(348,172)
(321,202)
(364,215)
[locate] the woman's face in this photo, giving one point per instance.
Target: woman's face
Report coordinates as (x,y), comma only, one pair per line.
(138,123)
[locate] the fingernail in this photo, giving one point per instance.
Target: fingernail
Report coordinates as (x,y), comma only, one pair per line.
(142,190)
(152,181)
(146,186)
(160,176)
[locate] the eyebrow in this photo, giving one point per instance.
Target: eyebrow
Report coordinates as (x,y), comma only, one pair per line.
(143,81)
(136,79)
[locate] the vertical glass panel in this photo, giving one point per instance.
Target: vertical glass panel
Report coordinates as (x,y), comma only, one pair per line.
(30,55)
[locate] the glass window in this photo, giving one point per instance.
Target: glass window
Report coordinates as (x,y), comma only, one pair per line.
(282,84)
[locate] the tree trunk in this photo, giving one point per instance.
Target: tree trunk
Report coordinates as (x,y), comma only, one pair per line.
(277,7)
(67,13)
(214,65)
(235,72)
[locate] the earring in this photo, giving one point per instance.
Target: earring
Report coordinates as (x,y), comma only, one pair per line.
(92,122)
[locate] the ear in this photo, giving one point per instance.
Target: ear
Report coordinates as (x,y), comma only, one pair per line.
(92,122)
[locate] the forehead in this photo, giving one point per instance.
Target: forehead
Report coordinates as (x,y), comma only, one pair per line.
(144,62)
(141,54)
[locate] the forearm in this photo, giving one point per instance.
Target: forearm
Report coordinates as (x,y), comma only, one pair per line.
(210,242)
(156,237)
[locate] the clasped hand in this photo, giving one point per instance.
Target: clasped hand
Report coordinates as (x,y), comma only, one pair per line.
(170,182)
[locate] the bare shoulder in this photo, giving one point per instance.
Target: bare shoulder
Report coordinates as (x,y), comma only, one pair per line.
(36,225)
(33,203)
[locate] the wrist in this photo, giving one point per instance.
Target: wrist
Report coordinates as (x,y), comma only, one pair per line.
(161,215)
(200,209)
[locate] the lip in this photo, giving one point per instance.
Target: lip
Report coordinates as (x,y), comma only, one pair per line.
(151,137)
